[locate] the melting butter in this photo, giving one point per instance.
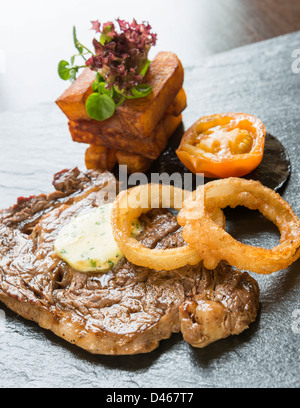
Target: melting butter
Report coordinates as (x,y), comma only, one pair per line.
(87,244)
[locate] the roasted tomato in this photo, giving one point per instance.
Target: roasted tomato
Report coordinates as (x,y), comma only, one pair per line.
(223,145)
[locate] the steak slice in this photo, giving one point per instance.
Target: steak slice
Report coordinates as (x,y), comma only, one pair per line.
(128,309)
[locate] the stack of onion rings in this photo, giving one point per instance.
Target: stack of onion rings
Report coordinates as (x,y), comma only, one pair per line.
(214,244)
(130,204)
(203,224)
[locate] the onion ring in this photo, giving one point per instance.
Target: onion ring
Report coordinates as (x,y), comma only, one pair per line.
(214,244)
(130,204)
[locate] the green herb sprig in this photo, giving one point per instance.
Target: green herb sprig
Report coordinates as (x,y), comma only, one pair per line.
(68,70)
(108,95)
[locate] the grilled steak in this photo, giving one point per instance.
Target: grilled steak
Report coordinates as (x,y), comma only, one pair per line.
(129,309)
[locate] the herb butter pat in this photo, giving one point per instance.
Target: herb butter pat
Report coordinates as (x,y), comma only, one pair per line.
(87,242)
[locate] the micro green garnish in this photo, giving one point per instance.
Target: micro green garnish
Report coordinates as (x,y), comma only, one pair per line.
(104,37)
(110,263)
(121,62)
(100,105)
(68,70)
(79,47)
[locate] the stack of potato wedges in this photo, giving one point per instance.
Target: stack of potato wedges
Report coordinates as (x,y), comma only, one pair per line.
(139,129)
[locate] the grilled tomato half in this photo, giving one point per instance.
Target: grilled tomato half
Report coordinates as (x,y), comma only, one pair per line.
(223,145)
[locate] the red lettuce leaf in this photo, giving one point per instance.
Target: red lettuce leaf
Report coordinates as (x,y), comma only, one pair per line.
(121,56)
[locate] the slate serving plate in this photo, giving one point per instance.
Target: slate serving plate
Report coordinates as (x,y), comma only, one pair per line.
(35,144)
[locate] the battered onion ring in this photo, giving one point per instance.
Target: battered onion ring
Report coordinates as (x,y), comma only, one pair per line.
(214,244)
(130,204)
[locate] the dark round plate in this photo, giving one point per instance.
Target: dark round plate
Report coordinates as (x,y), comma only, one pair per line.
(273,171)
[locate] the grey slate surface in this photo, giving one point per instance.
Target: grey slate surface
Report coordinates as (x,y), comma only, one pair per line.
(257,79)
